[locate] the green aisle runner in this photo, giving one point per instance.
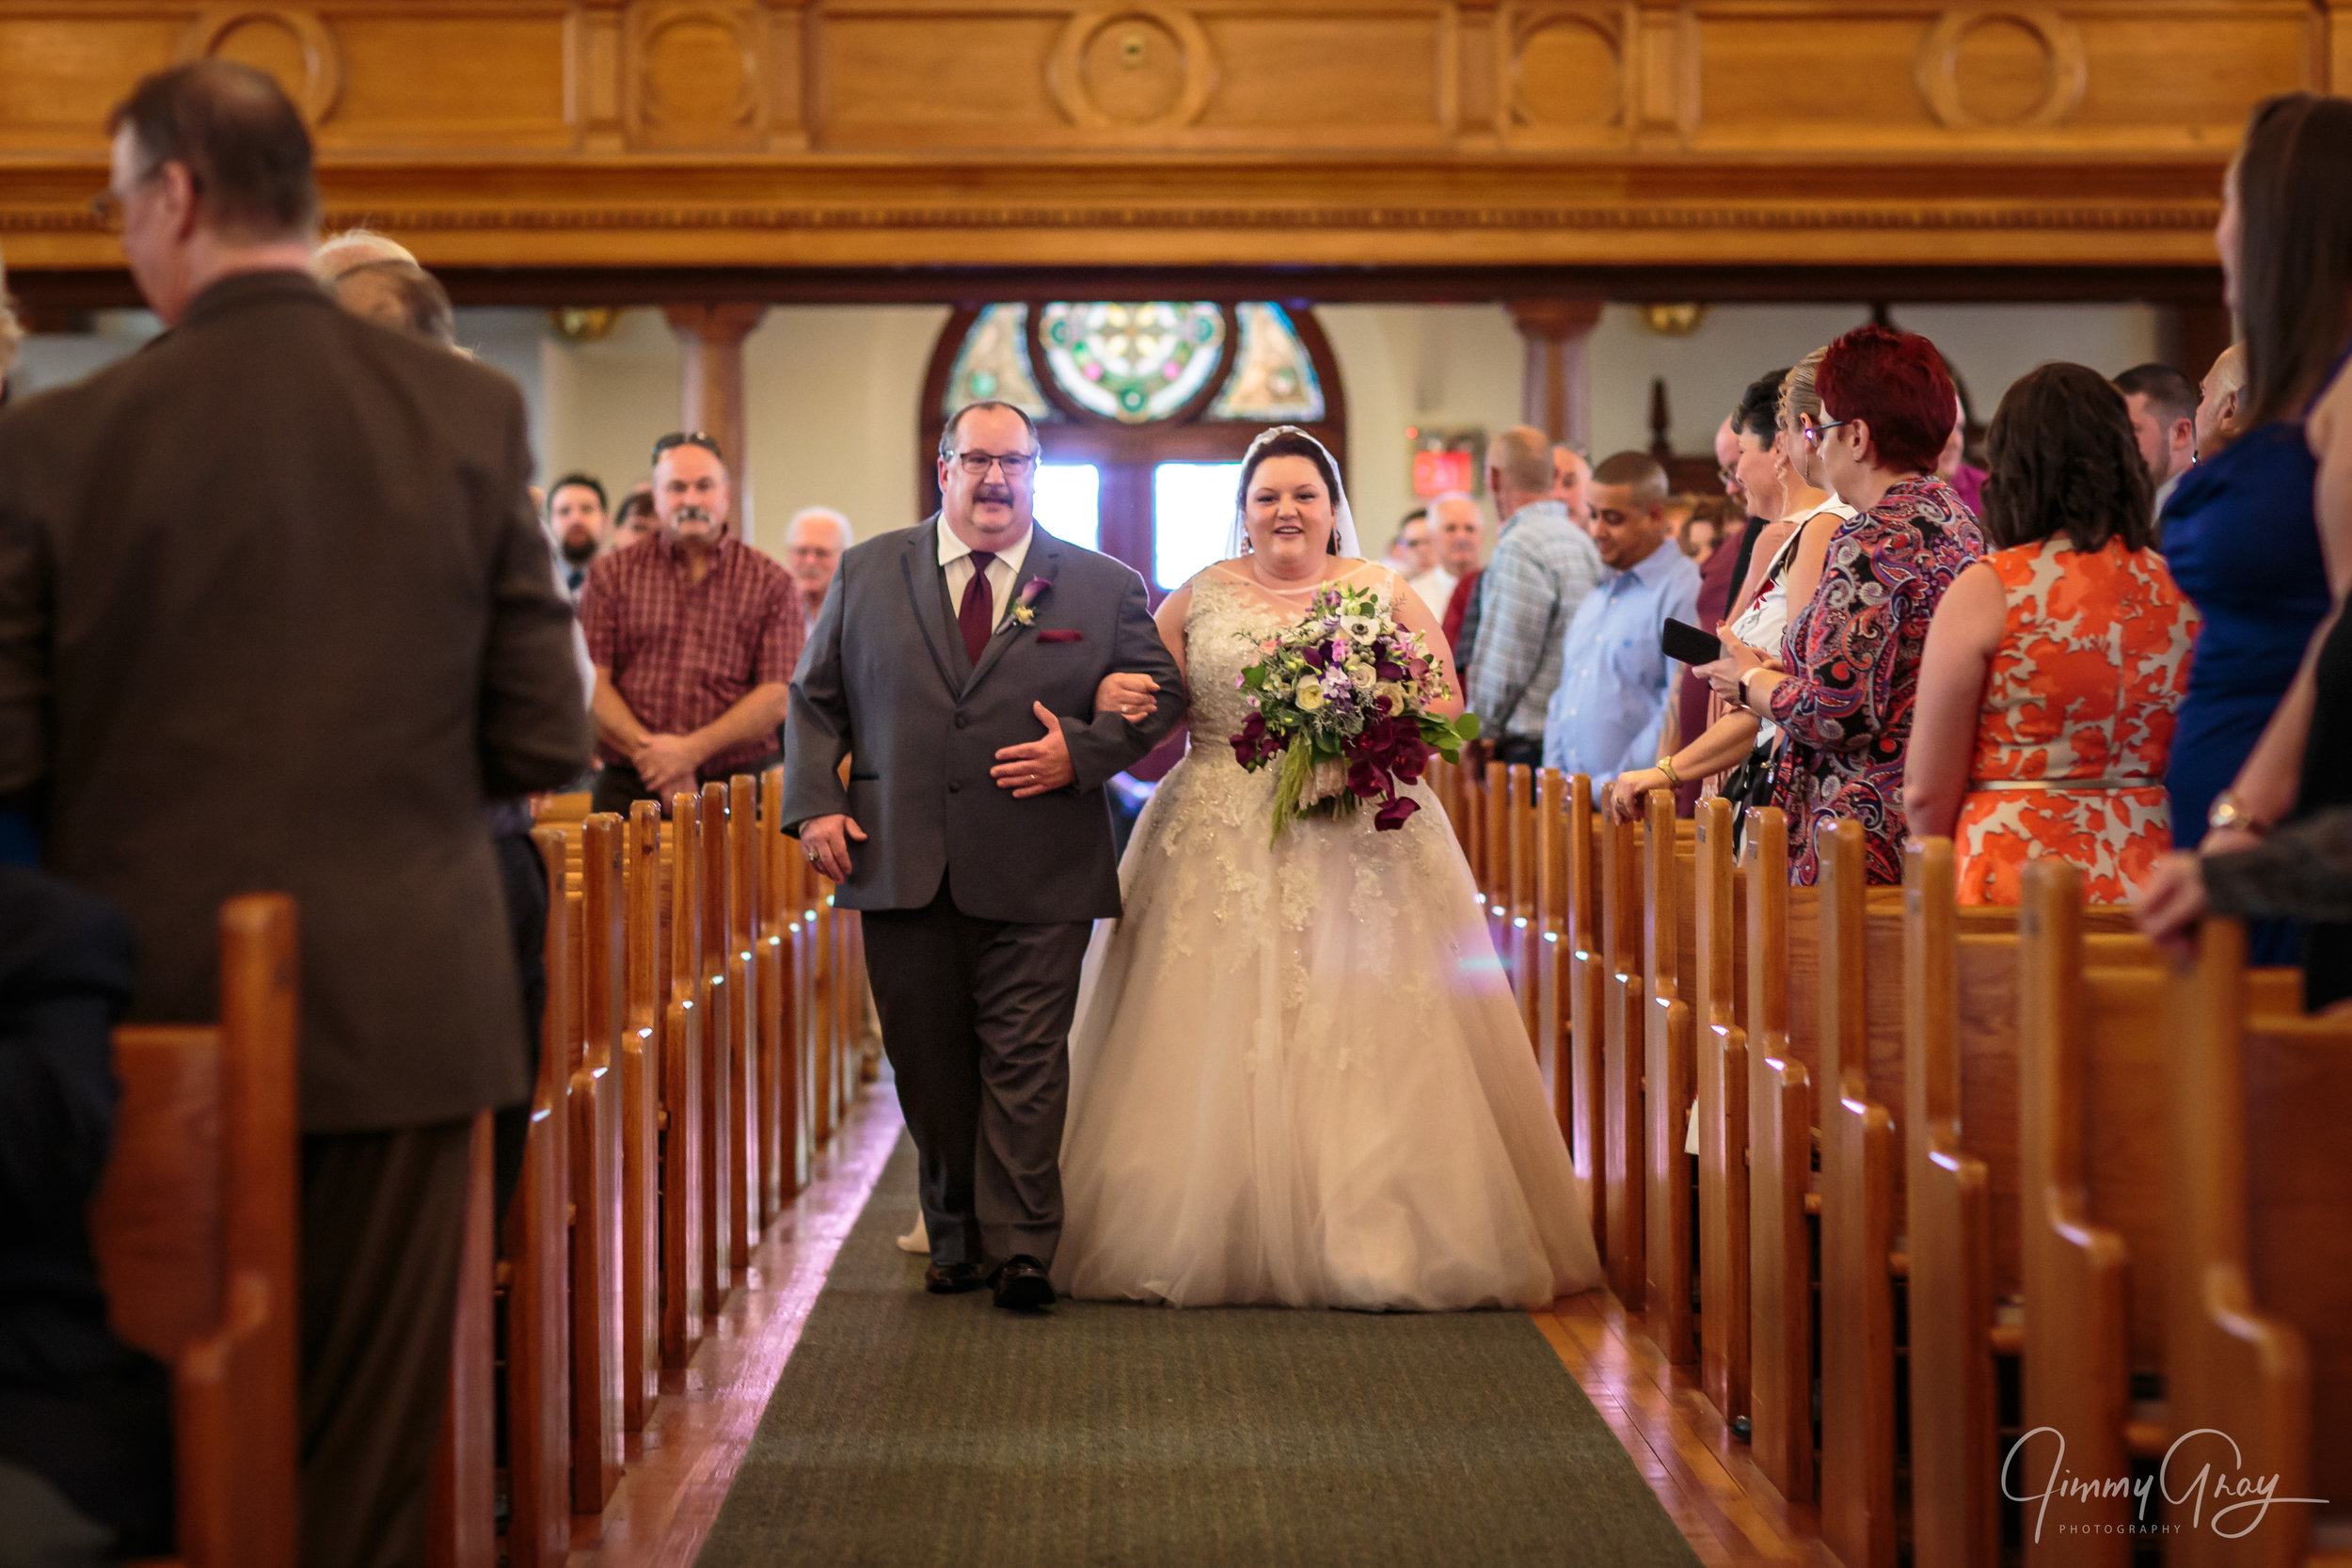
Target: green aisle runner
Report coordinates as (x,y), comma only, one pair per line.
(911,1429)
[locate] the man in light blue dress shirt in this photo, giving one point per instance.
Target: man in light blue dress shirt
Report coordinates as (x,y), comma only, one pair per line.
(1617,684)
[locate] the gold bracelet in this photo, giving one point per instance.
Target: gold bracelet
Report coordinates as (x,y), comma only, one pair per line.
(1666,766)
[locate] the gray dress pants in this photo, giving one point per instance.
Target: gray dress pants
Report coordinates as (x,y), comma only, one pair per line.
(976,1019)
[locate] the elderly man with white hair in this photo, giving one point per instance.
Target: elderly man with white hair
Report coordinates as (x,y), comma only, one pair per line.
(813,542)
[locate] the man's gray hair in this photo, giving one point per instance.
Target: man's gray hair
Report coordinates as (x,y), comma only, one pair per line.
(947,435)
(339,253)
(849,534)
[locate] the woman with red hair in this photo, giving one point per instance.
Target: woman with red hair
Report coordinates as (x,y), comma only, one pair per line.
(1848,666)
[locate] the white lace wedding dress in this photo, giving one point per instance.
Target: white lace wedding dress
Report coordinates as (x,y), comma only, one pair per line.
(1298,1075)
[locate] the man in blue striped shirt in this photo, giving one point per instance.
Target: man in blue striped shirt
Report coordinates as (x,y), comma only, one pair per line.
(1610,707)
(1543,566)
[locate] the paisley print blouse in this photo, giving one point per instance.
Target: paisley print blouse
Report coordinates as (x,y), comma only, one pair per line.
(1852,654)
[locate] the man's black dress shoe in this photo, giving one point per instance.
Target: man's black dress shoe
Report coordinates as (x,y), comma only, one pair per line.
(951,1280)
(1021,1286)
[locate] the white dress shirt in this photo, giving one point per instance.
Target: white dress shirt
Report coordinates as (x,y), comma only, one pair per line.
(1435,586)
(955,559)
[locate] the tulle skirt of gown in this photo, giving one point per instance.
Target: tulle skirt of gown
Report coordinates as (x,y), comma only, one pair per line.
(1299,1076)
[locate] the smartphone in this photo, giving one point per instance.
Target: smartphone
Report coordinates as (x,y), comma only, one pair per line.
(1684,642)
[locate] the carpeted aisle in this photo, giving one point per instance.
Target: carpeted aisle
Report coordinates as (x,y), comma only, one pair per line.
(910,1428)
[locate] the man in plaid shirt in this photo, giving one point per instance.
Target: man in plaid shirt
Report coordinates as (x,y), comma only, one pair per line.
(694,635)
(1543,566)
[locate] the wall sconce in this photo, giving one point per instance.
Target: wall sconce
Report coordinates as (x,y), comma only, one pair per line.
(1673,321)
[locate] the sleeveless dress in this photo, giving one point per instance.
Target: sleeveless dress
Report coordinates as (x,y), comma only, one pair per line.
(2091,666)
(2242,543)
(1297,1076)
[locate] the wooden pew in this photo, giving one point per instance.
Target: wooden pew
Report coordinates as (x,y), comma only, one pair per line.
(538,1330)
(1585,962)
(461,1528)
(686,1265)
(1668,1056)
(746,1196)
(1495,824)
(645,1003)
(1624,1002)
(1860,937)
(720,1077)
(1521,934)
(195,1227)
(1782,1063)
(2259,1239)
(1721,1011)
(596,981)
(782,1160)
(2092,1156)
(1551,924)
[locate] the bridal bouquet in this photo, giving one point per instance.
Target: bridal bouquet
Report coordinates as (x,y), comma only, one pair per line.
(1339,704)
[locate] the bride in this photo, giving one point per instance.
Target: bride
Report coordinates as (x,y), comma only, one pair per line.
(1297,1076)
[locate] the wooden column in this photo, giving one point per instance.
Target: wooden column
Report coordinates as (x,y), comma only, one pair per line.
(710,375)
(1558,397)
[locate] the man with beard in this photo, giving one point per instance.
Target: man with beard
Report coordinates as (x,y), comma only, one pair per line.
(577,516)
(694,635)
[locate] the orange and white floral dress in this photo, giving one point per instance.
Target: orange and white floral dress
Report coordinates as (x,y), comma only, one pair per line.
(2078,721)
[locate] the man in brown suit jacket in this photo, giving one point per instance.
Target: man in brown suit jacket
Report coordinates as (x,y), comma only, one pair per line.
(275,613)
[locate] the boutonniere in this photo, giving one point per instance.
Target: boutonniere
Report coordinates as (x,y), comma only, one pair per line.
(1024,608)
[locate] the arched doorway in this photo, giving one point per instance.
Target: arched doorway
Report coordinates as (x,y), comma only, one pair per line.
(1146,410)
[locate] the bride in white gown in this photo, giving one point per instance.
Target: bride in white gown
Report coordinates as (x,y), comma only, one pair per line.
(1298,1075)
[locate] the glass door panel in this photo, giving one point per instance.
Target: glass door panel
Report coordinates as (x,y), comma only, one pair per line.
(1192,517)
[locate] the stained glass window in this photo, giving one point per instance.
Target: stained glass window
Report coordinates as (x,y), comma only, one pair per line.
(1133,363)
(993,363)
(1274,376)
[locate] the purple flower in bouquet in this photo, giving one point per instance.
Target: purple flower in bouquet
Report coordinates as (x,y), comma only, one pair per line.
(1395,814)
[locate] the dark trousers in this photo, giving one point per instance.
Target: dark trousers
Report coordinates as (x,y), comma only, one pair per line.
(523,878)
(976,1019)
(1515,751)
(383,1225)
(618,786)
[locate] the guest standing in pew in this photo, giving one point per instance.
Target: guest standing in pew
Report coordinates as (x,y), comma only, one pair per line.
(1544,564)
(2164,423)
(694,635)
(404,298)
(85,1469)
(1843,688)
(309,682)
(1609,712)
(2056,665)
(2285,239)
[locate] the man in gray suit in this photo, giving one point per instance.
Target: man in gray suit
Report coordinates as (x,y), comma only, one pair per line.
(979,852)
(310,679)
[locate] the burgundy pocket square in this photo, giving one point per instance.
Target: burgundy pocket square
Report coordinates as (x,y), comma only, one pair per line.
(1060,637)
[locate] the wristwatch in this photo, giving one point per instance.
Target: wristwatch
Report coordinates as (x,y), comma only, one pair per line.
(2230,812)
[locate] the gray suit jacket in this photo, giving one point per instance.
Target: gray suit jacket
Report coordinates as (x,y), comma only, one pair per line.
(275,613)
(884,681)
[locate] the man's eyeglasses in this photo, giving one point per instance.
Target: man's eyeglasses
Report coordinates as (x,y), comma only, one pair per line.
(686,438)
(1016,465)
(108,205)
(1813,433)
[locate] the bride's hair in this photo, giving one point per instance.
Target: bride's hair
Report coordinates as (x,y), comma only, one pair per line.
(1292,443)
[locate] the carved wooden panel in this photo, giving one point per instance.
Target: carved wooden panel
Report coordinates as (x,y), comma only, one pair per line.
(973,132)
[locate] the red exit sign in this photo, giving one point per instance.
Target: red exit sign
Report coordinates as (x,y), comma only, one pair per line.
(1434,474)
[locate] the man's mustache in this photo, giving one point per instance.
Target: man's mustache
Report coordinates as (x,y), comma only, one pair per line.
(690,513)
(1001,494)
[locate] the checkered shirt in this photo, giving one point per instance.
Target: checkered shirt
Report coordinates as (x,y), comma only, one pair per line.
(682,653)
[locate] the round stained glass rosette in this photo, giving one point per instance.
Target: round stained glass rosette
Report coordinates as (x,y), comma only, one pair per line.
(1133,363)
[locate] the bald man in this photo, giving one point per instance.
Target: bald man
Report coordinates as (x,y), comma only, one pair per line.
(1543,566)
(1571,485)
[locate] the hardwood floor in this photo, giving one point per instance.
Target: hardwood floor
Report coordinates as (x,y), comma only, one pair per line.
(1703,1476)
(678,1470)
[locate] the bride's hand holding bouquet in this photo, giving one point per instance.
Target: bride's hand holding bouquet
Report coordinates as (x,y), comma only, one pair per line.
(1343,704)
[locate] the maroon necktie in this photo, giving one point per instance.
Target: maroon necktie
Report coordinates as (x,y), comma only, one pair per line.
(977,615)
